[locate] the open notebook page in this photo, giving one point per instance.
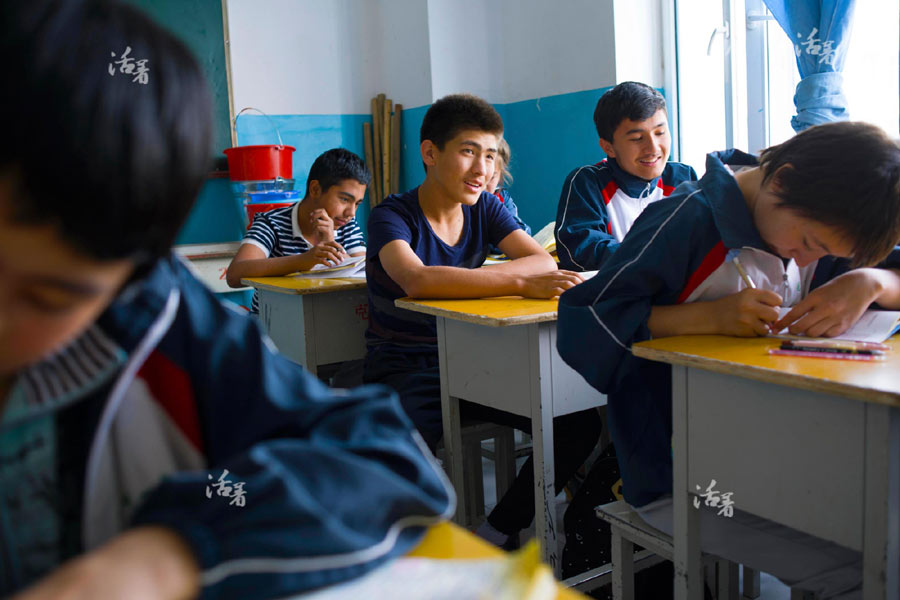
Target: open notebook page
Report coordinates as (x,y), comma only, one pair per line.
(873,326)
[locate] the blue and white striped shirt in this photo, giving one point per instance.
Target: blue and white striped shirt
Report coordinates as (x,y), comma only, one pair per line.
(277,233)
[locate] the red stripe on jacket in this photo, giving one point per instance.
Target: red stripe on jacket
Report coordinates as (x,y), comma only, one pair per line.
(710,263)
(171,389)
(667,189)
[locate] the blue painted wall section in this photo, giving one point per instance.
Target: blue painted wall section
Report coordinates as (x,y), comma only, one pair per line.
(549,137)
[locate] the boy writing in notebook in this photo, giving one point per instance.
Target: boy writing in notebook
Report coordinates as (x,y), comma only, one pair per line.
(428,243)
(798,219)
(599,202)
(152,444)
(321,229)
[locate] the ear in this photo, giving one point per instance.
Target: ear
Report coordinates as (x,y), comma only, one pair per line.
(775,178)
(429,151)
(607,148)
(315,189)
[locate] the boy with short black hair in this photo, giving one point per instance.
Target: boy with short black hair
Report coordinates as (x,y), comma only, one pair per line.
(599,203)
(321,229)
(428,243)
(797,220)
(152,444)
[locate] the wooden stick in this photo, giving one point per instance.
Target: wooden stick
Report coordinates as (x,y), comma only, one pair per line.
(377,111)
(369,150)
(386,148)
(395,148)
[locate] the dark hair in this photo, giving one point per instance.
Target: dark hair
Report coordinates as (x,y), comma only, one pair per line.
(334,166)
(112,163)
(504,155)
(845,175)
(452,114)
(628,100)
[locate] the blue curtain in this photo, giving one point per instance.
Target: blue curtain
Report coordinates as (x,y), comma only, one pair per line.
(820,33)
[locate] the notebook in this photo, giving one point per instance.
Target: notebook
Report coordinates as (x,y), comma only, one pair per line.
(873,326)
(353,267)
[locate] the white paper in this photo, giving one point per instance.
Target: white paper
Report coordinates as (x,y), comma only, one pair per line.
(873,326)
(351,267)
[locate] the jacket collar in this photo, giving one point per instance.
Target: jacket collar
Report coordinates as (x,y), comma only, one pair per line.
(633,186)
(729,209)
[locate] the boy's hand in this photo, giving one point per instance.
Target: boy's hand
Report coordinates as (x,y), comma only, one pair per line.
(326,253)
(147,563)
(324,224)
(550,284)
(747,313)
(831,309)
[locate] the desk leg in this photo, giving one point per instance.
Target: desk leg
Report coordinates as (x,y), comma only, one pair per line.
(539,342)
(686,519)
(452,428)
(881,527)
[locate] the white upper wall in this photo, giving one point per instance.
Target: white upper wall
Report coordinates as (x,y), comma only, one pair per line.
(466,47)
(639,41)
(332,57)
(315,57)
(556,47)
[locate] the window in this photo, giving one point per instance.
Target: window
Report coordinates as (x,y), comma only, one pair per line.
(737,73)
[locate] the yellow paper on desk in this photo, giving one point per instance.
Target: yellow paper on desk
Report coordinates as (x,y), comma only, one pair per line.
(545,237)
(517,576)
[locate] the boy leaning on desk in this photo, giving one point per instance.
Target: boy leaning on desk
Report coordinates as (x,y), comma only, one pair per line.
(153,446)
(429,242)
(321,229)
(807,222)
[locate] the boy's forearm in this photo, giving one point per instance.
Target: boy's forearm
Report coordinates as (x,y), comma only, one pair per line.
(457,282)
(265,267)
(533,264)
(888,285)
(695,318)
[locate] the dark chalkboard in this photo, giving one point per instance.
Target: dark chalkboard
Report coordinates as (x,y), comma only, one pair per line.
(199,24)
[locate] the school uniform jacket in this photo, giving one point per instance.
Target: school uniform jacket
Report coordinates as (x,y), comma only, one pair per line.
(598,205)
(335,482)
(679,250)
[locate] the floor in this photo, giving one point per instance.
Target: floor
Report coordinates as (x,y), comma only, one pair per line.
(770,588)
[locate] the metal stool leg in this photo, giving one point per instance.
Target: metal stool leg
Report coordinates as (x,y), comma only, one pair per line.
(751,583)
(622,567)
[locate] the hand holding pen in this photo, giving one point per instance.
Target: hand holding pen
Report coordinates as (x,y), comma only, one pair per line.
(751,311)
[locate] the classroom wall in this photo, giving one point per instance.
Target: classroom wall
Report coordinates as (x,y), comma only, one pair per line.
(313,67)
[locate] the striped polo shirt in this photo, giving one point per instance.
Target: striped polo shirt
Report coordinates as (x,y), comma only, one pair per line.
(276,233)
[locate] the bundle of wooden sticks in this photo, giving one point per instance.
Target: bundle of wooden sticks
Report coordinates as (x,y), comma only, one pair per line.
(382,140)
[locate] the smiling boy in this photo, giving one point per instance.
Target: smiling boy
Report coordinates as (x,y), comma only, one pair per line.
(798,220)
(320,229)
(599,203)
(429,242)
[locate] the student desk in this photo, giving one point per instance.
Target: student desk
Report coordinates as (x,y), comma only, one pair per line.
(314,321)
(811,443)
(450,541)
(501,353)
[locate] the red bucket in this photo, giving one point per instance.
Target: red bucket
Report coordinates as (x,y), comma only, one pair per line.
(256,163)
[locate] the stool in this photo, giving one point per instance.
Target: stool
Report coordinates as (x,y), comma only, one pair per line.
(503,455)
(628,528)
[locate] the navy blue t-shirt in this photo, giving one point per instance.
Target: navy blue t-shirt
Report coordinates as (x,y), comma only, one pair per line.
(399,217)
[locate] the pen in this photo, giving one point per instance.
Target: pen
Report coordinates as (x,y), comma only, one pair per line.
(740,269)
(836,345)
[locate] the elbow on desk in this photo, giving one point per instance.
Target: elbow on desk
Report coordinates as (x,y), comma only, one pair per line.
(231,278)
